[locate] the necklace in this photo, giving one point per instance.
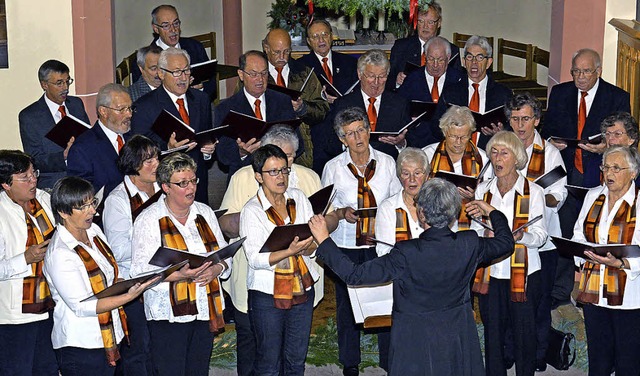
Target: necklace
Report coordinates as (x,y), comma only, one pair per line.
(174,214)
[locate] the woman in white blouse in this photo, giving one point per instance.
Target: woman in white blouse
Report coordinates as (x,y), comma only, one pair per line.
(509,288)
(397,217)
(609,286)
(281,282)
(181,322)
(78,264)
(137,161)
(362,177)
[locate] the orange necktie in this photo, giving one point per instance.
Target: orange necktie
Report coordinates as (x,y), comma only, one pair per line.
(372,114)
(280,80)
(62,111)
(423,60)
(582,119)
(120,142)
(257,109)
(435,95)
(327,71)
(183,111)
(474,103)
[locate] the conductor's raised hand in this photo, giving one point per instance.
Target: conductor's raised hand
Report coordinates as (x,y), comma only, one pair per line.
(318,227)
(479,208)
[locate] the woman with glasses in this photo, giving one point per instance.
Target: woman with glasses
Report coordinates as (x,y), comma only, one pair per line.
(509,289)
(26,220)
(185,311)
(609,286)
(138,161)
(362,177)
(397,217)
(79,263)
(458,154)
(280,282)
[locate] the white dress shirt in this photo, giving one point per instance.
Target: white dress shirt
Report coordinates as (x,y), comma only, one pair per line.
(75,323)
(256,226)
(285,73)
(588,100)
(13,265)
(54,108)
(552,159)
(536,234)
(118,224)
(146,240)
(376,104)
(329,62)
(482,92)
(430,80)
(631,298)
(252,103)
(384,184)
(111,135)
(386,223)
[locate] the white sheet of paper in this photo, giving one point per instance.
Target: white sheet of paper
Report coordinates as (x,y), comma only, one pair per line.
(367,301)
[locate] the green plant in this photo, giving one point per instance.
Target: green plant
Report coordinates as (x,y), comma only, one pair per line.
(286,15)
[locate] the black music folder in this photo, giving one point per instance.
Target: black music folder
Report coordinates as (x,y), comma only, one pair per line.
(246,127)
(570,248)
(69,126)
(166,124)
(572,142)
(294,94)
(282,236)
(166,256)
(321,200)
(409,126)
(551,177)
(205,71)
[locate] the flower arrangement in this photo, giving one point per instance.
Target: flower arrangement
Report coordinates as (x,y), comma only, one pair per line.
(286,15)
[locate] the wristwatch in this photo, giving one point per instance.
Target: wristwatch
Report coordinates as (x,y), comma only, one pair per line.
(621,264)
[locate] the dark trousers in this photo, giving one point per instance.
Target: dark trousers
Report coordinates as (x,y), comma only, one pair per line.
(348,330)
(245,344)
(548,262)
(499,314)
(282,335)
(180,349)
(25,349)
(75,361)
(568,213)
(135,356)
(613,340)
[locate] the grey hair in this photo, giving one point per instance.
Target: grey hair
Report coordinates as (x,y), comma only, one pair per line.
(412,155)
(174,162)
(374,57)
(439,202)
(104,94)
(457,116)
(280,134)
(438,41)
(154,12)
(141,55)
(587,51)
(628,122)
(518,101)
(630,155)
(163,60)
(348,116)
(479,41)
(317,21)
(509,140)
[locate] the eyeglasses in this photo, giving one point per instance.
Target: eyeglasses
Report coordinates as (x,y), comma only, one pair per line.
(418,174)
(276,172)
(122,110)
(524,119)
(167,26)
(373,78)
(62,83)
(479,57)
(428,22)
(279,53)
(439,61)
(322,35)
(254,74)
(178,72)
(614,169)
(185,183)
(28,178)
(455,138)
(586,72)
(352,134)
(86,207)
(616,134)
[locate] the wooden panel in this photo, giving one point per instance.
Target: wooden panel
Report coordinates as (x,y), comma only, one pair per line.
(628,61)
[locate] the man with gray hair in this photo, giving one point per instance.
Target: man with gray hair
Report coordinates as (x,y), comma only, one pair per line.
(192,106)
(575,110)
(429,85)
(147,60)
(386,110)
(37,119)
(93,155)
(480,92)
